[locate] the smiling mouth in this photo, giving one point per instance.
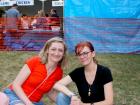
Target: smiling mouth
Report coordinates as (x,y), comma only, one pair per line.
(56,57)
(83,60)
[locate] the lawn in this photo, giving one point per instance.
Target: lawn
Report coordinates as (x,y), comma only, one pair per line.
(125,69)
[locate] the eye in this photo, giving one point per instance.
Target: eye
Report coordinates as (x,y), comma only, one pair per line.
(60,50)
(83,54)
(53,49)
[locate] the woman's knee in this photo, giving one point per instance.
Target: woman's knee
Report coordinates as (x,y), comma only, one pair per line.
(4,100)
(62,99)
(19,104)
(61,95)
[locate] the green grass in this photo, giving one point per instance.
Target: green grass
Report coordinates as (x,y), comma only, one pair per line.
(125,69)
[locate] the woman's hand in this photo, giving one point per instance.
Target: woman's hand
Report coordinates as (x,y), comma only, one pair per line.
(75,100)
(29,103)
(84,103)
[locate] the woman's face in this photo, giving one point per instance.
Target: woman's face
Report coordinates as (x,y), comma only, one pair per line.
(86,56)
(55,52)
(52,12)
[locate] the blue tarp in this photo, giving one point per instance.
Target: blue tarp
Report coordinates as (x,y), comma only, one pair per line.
(112,26)
(102,8)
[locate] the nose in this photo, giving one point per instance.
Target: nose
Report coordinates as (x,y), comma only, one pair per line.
(57,52)
(81,56)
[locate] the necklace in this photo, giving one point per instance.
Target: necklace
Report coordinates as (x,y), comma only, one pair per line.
(89,90)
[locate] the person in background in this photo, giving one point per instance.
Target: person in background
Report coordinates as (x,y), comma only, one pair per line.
(11,21)
(25,22)
(93,81)
(41,21)
(33,21)
(37,76)
(47,19)
(53,13)
(54,20)
(12,18)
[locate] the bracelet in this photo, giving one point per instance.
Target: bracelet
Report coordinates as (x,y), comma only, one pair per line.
(72,95)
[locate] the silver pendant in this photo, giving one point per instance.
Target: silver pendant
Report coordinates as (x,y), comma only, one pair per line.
(89,92)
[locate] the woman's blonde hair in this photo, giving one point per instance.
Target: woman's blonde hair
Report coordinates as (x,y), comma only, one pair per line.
(43,55)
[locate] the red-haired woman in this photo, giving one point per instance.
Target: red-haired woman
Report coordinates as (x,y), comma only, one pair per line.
(93,81)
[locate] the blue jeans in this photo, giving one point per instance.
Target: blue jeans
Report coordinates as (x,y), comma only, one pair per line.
(14,99)
(63,99)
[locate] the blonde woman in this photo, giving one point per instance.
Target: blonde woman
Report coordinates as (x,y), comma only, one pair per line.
(37,76)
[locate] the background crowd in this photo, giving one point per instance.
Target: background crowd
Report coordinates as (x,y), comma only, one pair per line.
(14,25)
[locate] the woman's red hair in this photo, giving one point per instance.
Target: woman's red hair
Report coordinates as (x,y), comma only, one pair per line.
(79,47)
